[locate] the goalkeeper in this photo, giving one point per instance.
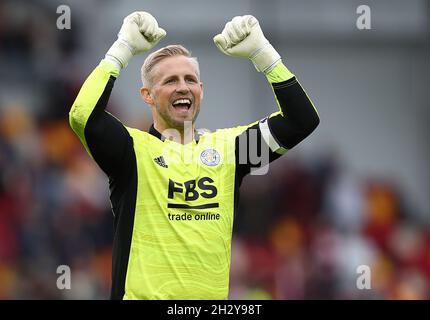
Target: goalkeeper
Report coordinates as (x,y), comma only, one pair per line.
(174,189)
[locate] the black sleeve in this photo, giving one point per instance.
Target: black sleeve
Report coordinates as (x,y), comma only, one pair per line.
(298,119)
(107,138)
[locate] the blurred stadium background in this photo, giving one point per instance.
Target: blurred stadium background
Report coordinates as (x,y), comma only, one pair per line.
(354,193)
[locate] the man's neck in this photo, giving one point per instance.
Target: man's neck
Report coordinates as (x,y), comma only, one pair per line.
(182,135)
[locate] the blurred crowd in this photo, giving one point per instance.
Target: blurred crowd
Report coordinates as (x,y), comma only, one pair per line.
(54,208)
(301,232)
(314,230)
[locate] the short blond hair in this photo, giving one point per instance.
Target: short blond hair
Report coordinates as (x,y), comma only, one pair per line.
(154,58)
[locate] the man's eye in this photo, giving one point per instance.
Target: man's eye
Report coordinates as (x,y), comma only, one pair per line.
(191,80)
(169,81)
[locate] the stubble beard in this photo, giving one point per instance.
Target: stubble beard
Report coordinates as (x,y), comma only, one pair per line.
(179,125)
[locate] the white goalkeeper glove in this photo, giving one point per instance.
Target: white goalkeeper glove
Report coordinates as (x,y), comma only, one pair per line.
(139,33)
(242,37)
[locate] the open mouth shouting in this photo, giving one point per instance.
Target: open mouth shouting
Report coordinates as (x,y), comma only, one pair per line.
(182,104)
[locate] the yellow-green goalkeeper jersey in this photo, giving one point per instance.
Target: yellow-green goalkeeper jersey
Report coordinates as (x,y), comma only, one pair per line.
(174,204)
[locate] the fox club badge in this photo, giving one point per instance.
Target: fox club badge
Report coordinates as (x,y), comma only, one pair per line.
(210,157)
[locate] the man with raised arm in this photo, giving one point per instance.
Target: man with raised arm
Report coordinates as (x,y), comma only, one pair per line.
(174,189)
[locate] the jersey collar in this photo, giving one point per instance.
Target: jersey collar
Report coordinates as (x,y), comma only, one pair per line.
(158,135)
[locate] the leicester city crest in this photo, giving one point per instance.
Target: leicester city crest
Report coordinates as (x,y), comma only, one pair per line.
(210,157)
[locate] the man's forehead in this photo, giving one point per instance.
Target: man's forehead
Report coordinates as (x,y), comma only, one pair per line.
(176,65)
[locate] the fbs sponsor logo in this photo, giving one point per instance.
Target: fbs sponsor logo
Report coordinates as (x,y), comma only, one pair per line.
(192,190)
(160,161)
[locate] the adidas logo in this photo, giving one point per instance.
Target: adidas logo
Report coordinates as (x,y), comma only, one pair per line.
(160,161)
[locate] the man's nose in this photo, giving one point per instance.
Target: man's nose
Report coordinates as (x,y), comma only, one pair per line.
(182,86)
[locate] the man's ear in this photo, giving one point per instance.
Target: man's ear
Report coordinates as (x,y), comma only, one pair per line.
(145,93)
(201,87)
